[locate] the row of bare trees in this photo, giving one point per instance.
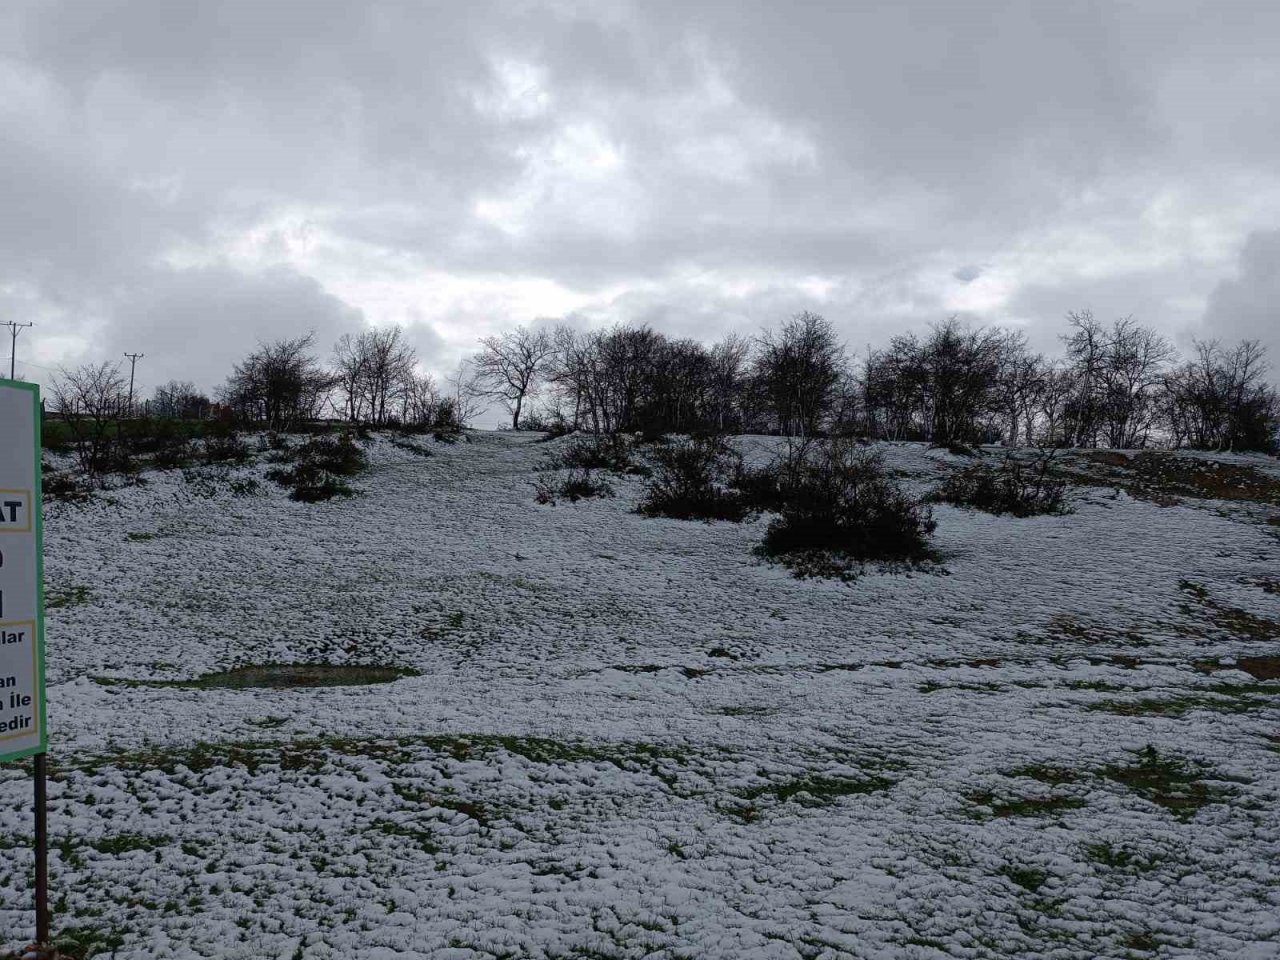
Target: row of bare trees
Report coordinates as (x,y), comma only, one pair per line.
(372,378)
(1120,385)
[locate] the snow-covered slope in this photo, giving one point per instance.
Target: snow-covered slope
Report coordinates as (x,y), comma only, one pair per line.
(630,737)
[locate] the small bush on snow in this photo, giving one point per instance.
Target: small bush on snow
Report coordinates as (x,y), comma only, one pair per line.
(690,481)
(840,504)
(318,468)
(615,452)
(1012,487)
(580,484)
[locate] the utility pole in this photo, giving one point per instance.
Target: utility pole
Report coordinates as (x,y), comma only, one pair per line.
(133,364)
(15,328)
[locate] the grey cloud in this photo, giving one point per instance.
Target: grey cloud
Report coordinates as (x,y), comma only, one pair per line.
(1247,306)
(196,324)
(755,141)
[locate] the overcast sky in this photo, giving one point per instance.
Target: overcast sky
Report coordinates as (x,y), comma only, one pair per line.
(183,179)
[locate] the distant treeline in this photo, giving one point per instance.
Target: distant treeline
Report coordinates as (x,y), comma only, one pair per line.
(1114,385)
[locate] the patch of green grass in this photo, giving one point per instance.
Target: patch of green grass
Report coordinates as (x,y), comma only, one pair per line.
(1178,785)
(84,942)
(1027,878)
(119,843)
(315,753)
(57,597)
(810,791)
(1043,773)
(423,838)
(738,710)
(1119,856)
(1017,806)
(932,686)
(1062,628)
(818,791)
(1222,698)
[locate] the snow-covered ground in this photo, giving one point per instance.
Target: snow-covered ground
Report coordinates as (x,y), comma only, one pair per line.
(630,737)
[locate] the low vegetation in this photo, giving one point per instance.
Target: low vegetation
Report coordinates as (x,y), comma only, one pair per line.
(1010,487)
(613,452)
(319,468)
(839,506)
(1180,786)
(581,483)
(690,481)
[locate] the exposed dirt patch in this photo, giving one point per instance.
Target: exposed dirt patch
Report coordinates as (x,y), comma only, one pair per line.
(1260,668)
(1233,620)
(1164,477)
(281,676)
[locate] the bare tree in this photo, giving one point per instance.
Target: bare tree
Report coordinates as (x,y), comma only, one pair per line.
(730,364)
(180,400)
(510,365)
(1135,359)
(279,384)
(373,370)
(1221,399)
(466,392)
(91,400)
(799,368)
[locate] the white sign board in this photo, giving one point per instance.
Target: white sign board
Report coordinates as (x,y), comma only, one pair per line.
(22,723)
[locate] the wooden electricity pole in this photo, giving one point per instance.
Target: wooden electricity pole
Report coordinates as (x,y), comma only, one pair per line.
(133,365)
(14,329)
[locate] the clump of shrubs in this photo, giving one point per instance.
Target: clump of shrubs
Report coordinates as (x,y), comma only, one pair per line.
(166,441)
(840,506)
(691,479)
(1010,487)
(580,484)
(319,468)
(553,425)
(614,452)
(223,445)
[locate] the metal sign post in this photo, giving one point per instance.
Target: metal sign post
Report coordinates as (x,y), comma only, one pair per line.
(22,707)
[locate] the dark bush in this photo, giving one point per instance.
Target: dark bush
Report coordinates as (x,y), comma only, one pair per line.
(63,485)
(1012,487)
(55,436)
(764,488)
(223,445)
(615,452)
(690,481)
(841,505)
(580,484)
(318,468)
(166,441)
(337,455)
(553,425)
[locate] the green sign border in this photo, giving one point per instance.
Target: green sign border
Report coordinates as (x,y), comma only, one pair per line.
(37,509)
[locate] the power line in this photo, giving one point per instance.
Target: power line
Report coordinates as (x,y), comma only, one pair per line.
(14,329)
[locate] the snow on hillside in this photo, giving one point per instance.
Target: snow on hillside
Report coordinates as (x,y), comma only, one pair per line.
(630,737)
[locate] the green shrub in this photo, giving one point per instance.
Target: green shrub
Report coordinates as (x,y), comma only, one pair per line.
(1012,487)
(223,445)
(690,481)
(318,468)
(840,505)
